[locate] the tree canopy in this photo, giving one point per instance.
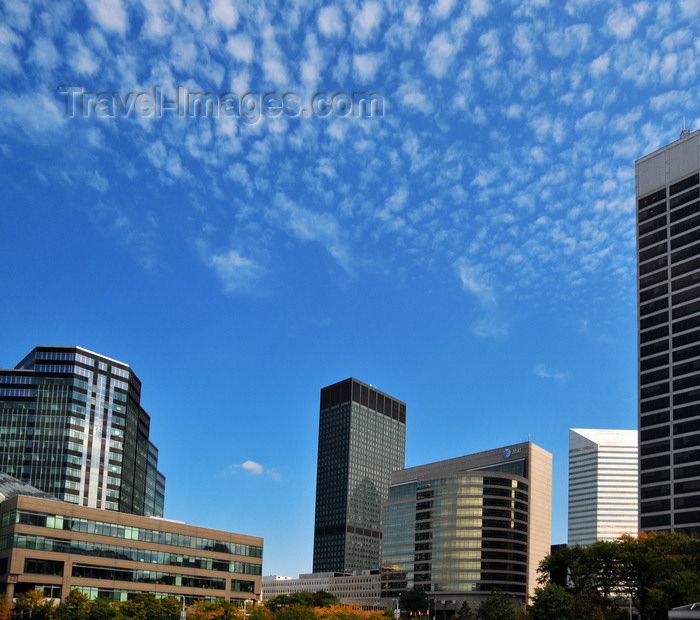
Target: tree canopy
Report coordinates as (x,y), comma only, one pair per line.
(654,572)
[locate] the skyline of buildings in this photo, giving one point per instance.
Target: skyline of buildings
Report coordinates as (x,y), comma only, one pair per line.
(462,527)
(603,485)
(668,261)
(71,424)
(357,423)
(361,440)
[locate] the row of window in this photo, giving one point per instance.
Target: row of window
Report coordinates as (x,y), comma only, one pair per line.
(89,526)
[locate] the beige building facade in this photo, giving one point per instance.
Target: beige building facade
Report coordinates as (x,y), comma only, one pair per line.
(56,546)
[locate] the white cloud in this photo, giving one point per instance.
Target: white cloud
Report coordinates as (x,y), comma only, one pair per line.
(492,47)
(237,272)
(251,467)
(33,114)
(490,327)
(599,66)
(366,65)
(224,12)
(442,8)
(44,54)
(241,47)
(690,8)
(110,14)
(439,54)
(98,182)
(621,23)
(475,280)
(275,71)
(524,39)
(367,20)
(81,58)
(550,373)
(308,225)
(479,8)
(330,21)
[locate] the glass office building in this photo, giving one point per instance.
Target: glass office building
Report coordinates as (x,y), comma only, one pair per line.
(71,425)
(668,259)
(464,527)
(603,481)
(362,437)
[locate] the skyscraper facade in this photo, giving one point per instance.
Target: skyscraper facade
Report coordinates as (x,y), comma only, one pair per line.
(361,441)
(668,254)
(603,480)
(71,424)
(461,528)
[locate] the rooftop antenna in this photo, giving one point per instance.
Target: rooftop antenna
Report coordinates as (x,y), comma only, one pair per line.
(684,131)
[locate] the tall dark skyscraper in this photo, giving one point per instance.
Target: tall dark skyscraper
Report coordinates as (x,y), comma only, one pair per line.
(361,441)
(71,425)
(668,251)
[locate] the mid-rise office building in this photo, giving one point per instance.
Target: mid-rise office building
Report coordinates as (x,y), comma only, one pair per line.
(361,588)
(668,255)
(361,441)
(461,528)
(55,546)
(603,481)
(71,424)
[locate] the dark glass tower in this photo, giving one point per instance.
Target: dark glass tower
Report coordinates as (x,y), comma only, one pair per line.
(668,255)
(71,425)
(361,441)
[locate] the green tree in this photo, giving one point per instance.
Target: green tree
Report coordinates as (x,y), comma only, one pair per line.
(499,606)
(660,570)
(76,606)
(145,606)
(303,598)
(34,604)
(602,562)
(552,601)
(102,609)
(259,612)
(588,605)
(465,612)
(276,602)
(325,599)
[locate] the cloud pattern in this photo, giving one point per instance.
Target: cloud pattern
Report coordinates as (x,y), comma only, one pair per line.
(503,163)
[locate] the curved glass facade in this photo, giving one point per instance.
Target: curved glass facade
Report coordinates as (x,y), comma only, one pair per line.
(456,532)
(463,533)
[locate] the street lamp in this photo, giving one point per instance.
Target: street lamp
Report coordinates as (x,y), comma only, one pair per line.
(397,612)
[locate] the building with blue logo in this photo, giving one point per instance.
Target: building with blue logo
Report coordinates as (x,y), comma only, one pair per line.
(461,528)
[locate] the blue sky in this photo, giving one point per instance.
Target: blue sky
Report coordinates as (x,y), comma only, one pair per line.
(470,251)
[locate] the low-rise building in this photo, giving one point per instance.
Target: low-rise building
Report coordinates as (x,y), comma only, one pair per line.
(357,588)
(56,546)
